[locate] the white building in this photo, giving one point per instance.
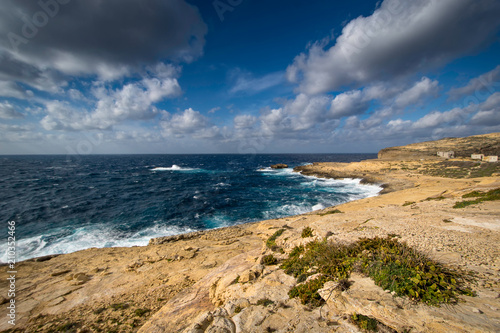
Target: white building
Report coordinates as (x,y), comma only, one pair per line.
(446,154)
(490,158)
(477,156)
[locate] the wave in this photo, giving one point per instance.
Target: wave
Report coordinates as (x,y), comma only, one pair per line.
(278,172)
(174,167)
(87,237)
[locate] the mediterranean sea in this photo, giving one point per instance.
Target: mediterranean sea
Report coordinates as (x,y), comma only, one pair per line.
(63,204)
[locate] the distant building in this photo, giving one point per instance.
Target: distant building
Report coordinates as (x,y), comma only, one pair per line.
(446,154)
(477,157)
(490,158)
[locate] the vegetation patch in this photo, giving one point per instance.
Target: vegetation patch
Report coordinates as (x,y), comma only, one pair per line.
(335,211)
(271,241)
(307,232)
(264,302)
(141,312)
(435,198)
(462,169)
(269,260)
(364,322)
(119,306)
(391,264)
(480,197)
(408,203)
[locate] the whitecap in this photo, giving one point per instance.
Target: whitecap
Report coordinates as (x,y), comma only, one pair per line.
(174,167)
(318,207)
(87,237)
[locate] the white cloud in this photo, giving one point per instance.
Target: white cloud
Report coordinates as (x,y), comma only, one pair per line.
(484,84)
(244,121)
(189,123)
(134,101)
(12,89)
(348,104)
(486,118)
(398,39)
(247,83)
(415,95)
(8,111)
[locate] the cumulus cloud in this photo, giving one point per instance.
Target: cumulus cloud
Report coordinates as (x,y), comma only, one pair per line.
(398,39)
(484,84)
(348,104)
(133,101)
(244,121)
(101,37)
(189,123)
(416,94)
(8,111)
(45,44)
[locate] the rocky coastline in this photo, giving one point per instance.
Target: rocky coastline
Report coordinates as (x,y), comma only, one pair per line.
(223,281)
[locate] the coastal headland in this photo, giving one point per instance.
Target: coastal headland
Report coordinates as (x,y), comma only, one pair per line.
(231,279)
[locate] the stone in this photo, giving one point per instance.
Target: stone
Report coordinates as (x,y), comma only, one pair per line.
(60,272)
(221,325)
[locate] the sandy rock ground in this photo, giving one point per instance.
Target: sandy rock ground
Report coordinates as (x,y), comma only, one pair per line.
(215,281)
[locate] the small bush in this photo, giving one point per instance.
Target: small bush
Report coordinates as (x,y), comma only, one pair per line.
(238,309)
(271,241)
(269,260)
(307,232)
(264,302)
(364,322)
(408,203)
(308,292)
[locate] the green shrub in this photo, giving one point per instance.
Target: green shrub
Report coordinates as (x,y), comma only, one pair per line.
(308,292)
(269,260)
(392,265)
(481,197)
(271,241)
(264,302)
(364,322)
(335,211)
(307,232)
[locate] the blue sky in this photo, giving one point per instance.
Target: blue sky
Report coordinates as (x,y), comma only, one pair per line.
(242,76)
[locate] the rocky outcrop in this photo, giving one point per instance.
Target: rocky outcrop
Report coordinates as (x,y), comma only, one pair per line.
(488,144)
(279,166)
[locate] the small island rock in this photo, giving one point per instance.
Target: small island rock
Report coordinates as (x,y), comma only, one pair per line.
(279,166)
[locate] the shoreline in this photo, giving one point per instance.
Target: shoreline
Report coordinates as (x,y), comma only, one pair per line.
(161,276)
(152,240)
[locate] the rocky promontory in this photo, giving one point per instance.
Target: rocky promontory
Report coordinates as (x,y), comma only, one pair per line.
(487,144)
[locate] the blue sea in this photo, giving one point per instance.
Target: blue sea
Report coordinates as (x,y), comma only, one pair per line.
(63,204)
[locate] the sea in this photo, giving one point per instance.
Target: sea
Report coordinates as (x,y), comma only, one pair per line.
(62,204)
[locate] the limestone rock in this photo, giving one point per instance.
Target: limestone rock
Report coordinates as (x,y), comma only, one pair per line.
(279,166)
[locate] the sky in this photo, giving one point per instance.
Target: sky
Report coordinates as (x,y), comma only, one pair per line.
(245,76)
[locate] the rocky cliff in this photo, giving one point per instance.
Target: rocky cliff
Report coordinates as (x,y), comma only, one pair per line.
(488,144)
